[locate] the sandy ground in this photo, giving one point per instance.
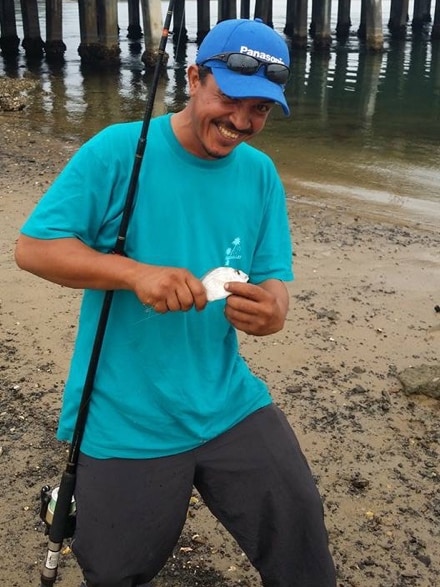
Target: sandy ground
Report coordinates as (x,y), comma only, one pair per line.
(362,310)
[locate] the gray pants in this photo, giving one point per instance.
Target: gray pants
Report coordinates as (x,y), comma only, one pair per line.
(254,479)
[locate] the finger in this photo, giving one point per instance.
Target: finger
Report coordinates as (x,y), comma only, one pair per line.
(186,297)
(173,302)
(246,290)
(240,321)
(243,305)
(198,294)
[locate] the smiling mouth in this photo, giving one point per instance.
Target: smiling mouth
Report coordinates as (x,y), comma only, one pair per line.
(227,133)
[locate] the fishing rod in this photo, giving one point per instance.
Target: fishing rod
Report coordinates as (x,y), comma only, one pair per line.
(57,510)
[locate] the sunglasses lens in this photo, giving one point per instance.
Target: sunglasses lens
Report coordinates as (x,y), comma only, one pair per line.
(244,64)
(277,73)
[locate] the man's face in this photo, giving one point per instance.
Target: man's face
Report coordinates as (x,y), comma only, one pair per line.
(219,123)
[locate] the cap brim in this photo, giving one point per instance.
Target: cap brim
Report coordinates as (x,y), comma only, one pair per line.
(236,85)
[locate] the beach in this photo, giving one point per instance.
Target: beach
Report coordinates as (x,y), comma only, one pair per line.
(362,311)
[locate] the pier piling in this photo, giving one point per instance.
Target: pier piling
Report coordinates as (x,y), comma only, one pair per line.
(435,32)
(9,41)
(398,18)
(134,20)
(99,34)
(32,42)
(54,46)
(203,20)
(320,25)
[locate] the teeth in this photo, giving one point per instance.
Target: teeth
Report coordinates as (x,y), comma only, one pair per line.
(227,133)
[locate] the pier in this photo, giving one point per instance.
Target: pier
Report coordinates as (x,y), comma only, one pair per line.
(99,31)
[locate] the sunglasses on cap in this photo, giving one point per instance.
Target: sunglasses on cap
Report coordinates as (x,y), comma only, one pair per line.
(248,65)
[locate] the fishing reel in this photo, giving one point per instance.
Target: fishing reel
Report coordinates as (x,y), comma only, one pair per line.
(48,500)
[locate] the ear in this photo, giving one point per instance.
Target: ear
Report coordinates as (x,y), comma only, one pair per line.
(193,79)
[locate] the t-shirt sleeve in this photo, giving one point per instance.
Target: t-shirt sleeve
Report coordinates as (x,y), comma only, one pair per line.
(85,196)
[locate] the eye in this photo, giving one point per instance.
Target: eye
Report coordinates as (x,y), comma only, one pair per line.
(264,107)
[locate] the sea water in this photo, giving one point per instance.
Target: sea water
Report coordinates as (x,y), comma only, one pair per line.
(363,127)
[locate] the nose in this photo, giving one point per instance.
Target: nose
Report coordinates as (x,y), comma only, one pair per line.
(241,116)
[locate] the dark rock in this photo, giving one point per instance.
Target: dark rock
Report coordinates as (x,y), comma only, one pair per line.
(424,379)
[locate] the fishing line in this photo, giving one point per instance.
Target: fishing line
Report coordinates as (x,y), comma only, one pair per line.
(60,526)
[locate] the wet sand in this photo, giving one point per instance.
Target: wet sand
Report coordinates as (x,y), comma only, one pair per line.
(362,310)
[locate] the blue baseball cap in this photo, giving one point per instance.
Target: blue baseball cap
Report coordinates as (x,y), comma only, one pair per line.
(250,37)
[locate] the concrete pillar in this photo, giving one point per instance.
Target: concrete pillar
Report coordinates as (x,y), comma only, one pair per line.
(435,32)
(108,24)
(134,20)
(344,22)
(320,25)
(296,22)
(290,17)
(32,42)
(180,33)
(87,24)
(55,47)
(153,27)
(373,22)
(398,18)
(9,41)
(245,8)
(227,9)
(98,21)
(421,14)
(263,10)
(362,25)
(203,20)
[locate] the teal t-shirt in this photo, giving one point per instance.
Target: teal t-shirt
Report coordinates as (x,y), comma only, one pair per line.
(165,383)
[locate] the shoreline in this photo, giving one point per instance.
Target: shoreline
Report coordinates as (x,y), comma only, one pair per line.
(362,310)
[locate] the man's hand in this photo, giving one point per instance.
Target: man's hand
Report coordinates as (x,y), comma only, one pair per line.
(169,289)
(257,309)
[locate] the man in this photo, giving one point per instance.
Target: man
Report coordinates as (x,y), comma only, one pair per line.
(174,405)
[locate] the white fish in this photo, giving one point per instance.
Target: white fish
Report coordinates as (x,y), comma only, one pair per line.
(215,280)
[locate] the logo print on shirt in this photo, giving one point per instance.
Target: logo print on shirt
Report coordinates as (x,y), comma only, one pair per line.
(233,252)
